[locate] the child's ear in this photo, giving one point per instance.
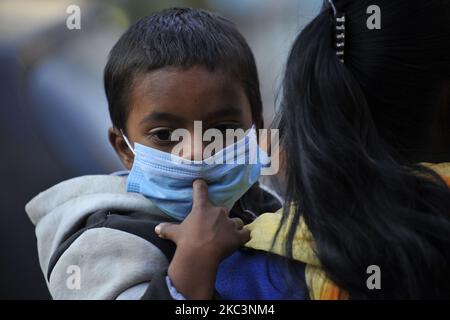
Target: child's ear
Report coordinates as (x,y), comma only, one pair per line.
(121,147)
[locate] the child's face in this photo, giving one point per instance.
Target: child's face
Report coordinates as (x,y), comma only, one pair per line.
(171,98)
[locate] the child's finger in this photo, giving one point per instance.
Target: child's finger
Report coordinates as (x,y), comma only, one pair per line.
(244,235)
(199,193)
(238,222)
(167,231)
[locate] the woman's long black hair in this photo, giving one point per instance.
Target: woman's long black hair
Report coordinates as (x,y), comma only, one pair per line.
(353,136)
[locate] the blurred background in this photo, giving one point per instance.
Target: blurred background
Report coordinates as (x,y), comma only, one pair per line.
(53,111)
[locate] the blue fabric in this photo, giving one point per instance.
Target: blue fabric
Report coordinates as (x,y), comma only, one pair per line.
(245,276)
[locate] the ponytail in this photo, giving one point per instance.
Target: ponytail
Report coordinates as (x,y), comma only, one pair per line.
(364,203)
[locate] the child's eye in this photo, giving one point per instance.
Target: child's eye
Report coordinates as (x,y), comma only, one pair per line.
(227,136)
(161,135)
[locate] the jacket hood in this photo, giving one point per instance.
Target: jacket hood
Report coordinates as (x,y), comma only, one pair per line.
(58,210)
(101,191)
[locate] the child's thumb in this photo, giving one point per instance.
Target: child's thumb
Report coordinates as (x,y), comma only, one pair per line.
(167,231)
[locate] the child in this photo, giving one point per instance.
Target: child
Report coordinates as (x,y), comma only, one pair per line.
(168,70)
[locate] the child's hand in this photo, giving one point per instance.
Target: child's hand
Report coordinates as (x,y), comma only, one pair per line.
(206,228)
(203,239)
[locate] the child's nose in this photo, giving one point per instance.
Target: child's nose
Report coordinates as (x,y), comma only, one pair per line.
(197,151)
(193,150)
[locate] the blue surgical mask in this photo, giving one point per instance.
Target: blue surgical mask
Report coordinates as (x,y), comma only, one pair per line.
(167,179)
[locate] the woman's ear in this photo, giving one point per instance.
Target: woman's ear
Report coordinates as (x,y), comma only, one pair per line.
(120,146)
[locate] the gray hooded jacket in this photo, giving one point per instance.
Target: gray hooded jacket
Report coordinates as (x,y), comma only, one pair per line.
(89,251)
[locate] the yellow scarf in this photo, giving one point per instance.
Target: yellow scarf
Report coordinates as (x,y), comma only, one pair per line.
(320,287)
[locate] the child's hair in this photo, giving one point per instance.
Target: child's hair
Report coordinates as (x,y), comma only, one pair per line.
(352,132)
(179,37)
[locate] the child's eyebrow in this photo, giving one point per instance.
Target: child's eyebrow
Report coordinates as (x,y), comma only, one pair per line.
(224,112)
(169,117)
(161,116)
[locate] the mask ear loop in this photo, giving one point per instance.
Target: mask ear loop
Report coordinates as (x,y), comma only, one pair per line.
(127,141)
